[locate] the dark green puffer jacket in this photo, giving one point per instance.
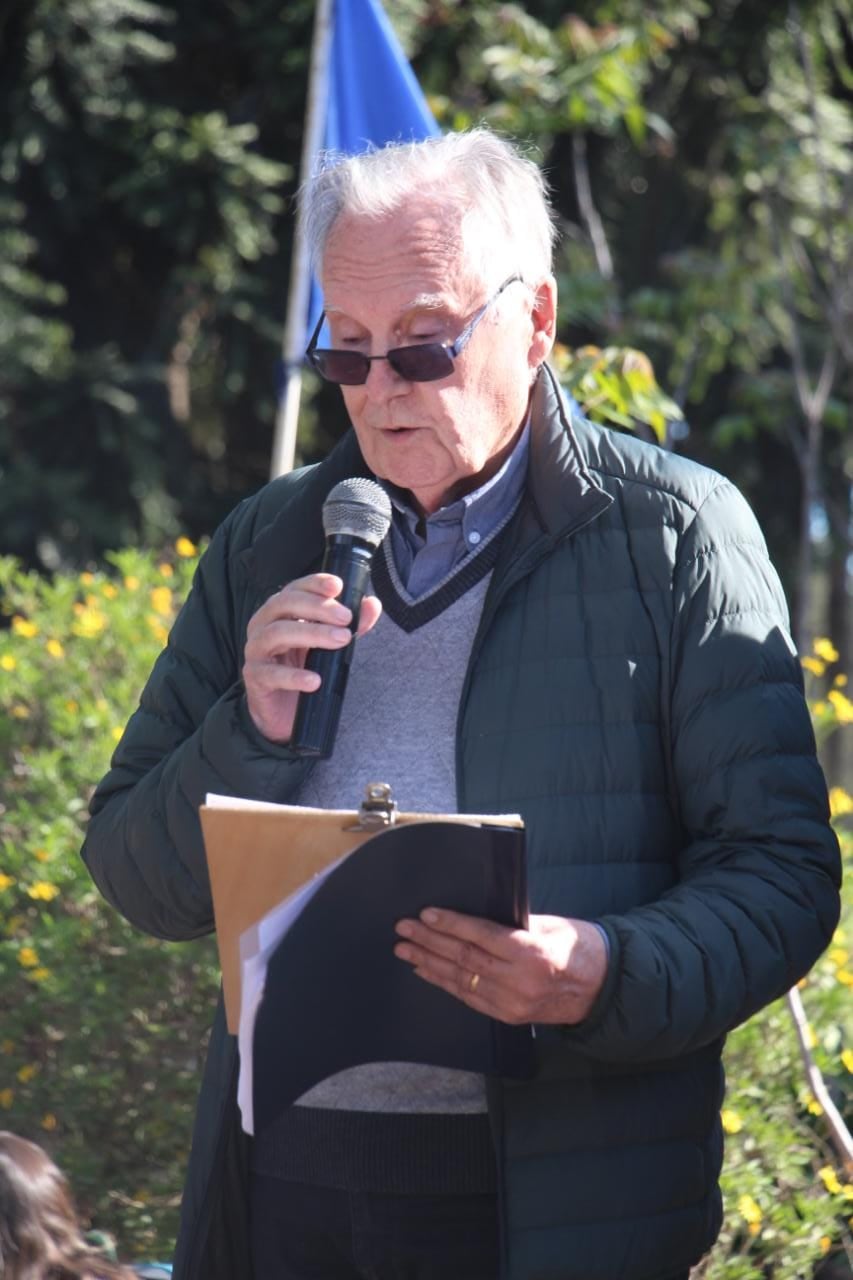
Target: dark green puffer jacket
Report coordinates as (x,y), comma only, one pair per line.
(633,692)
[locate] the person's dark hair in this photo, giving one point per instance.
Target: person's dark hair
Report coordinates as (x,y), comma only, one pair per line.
(40,1234)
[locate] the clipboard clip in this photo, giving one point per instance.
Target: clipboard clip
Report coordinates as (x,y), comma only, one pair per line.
(378,808)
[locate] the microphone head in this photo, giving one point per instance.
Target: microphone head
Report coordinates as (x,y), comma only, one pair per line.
(359,508)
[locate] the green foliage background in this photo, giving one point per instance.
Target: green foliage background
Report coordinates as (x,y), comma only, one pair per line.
(102,1030)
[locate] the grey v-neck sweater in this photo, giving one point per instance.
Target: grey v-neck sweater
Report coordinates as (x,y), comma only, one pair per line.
(396,1126)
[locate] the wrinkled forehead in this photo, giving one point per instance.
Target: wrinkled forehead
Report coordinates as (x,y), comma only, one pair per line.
(421,234)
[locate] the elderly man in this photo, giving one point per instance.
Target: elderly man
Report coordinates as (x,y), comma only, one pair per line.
(566,623)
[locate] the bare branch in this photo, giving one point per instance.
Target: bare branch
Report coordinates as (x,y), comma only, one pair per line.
(586,204)
(838,1131)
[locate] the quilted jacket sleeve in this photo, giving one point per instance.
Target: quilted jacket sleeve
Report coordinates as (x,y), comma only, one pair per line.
(190,735)
(757,898)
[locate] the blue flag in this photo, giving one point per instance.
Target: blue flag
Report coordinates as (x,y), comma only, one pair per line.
(373,94)
(374,97)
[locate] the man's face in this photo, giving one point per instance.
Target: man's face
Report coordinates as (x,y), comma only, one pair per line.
(404,279)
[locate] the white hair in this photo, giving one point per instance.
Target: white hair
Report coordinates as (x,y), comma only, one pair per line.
(497,195)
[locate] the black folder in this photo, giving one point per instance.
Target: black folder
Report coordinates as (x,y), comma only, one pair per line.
(336,996)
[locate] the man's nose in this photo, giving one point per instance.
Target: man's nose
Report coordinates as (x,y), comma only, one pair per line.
(384,381)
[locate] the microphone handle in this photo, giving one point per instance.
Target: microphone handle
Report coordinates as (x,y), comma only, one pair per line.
(318,713)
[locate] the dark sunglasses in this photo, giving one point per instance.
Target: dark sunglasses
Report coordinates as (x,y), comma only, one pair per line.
(420,362)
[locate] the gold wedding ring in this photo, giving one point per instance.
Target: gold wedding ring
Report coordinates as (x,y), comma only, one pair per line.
(474,982)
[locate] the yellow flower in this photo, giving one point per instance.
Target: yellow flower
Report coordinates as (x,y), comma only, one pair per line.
(845,977)
(161,601)
(42,891)
(39,975)
(26,1074)
(87,579)
(840,802)
(838,955)
(7,662)
(20,712)
(22,627)
(90,623)
(829,1178)
(732,1122)
(157,629)
(131,582)
(842,706)
(839,937)
(116,731)
(166,570)
(6,882)
(28,957)
(55,649)
(809,1037)
(186,548)
(41,855)
(813,1106)
(840,680)
(825,649)
(72,706)
(49,1121)
(825,1244)
(7,1097)
(819,708)
(749,1210)
(847,1059)
(109,590)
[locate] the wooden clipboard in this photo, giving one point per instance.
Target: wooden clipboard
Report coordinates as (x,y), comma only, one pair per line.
(258,854)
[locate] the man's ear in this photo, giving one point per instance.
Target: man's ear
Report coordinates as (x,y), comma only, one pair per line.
(544,320)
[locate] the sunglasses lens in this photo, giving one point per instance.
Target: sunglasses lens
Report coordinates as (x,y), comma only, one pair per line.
(426,362)
(347,368)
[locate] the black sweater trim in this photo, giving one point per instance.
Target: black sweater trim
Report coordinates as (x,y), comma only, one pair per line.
(410,615)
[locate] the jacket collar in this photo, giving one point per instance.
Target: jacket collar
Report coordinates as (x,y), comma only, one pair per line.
(562,490)
(562,494)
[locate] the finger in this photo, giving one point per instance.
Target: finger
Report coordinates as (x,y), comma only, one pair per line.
(313,597)
(292,638)
(447,974)
(494,939)
(486,994)
(454,960)
(371,609)
(262,678)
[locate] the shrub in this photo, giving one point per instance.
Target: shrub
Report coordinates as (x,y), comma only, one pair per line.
(102,1028)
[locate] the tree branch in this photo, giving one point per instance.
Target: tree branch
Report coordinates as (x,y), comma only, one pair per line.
(586,204)
(838,1131)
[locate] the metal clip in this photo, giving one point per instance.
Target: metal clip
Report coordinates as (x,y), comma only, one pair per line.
(378,808)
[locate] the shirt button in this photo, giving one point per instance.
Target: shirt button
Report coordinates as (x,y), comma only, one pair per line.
(473,537)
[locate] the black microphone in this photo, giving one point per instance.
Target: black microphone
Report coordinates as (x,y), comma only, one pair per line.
(356,516)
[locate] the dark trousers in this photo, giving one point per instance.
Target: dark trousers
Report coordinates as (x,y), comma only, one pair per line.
(317,1233)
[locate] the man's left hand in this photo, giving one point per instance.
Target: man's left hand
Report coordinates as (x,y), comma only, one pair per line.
(550,972)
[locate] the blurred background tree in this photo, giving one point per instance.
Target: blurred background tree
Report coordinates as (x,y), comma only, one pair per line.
(701,166)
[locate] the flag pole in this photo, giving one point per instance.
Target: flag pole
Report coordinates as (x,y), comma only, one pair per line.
(287,412)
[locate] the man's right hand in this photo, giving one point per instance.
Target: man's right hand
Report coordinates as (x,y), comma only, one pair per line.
(303,615)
